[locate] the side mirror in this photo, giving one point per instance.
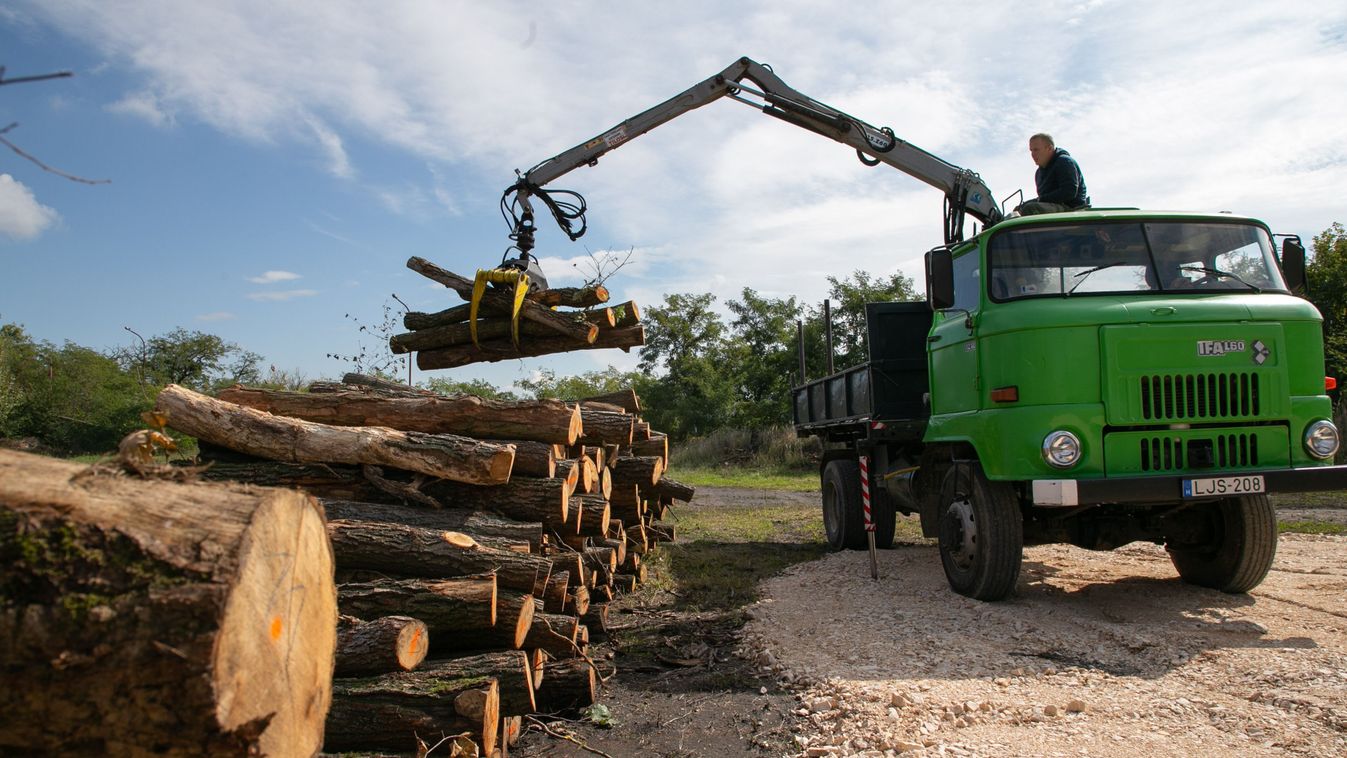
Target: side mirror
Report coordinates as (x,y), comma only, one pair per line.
(1293,264)
(940,279)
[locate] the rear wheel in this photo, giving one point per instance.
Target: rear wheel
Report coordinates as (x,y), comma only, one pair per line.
(981,534)
(1238,548)
(843,522)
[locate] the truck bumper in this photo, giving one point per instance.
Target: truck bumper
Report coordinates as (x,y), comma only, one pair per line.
(1066,493)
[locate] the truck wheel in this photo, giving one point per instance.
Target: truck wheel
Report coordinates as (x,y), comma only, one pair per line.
(981,534)
(1242,544)
(843,521)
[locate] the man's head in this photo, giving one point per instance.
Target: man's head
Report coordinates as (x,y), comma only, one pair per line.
(1041,149)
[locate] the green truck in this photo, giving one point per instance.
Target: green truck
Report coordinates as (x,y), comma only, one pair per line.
(1095,378)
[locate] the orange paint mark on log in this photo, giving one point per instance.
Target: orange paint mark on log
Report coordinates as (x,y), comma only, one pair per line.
(416,641)
(276,627)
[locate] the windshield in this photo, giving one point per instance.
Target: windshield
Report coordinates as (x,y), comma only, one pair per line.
(1131,257)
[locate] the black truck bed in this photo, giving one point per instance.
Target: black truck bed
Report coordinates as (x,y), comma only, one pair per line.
(890,389)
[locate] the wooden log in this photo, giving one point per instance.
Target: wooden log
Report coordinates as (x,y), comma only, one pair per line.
(606,428)
(336,481)
(623,338)
(488,330)
(461,609)
(610,455)
(487,528)
(523,498)
(467,415)
(569,684)
(595,405)
(501,304)
(624,583)
(661,533)
(596,516)
(657,445)
(589,475)
(532,458)
(601,558)
(619,548)
(626,314)
(571,297)
(641,433)
(634,567)
(554,596)
(196,618)
(511,730)
(381,646)
(601,594)
(538,659)
(625,504)
(577,600)
(378,383)
(596,618)
(642,470)
(570,470)
(626,399)
(553,632)
(254,432)
(395,711)
(412,551)
(512,669)
(571,563)
(673,490)
(605,487)
(638,541)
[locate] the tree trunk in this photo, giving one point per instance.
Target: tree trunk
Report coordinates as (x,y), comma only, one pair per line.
(569,684)
(657,445)
(523,498)
(380,646)
(499,303)
(197,618)
(284,439)
(596,618)
(418,552)
(625,504)
(484,527)
(660,533)
(504,350)
(553,632)
(673,490)
(642,470)
(394,711)
(511,668)
(532,458)
(459,610)
(577,600)
(488,331)
(570,563)
(335,481)
(606,428)
(626,314)
(554,596)
(468,415)
(596,515)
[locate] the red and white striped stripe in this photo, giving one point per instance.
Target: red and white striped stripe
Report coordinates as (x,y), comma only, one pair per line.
(865,492)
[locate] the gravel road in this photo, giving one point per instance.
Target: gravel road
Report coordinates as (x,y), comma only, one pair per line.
(1100,654)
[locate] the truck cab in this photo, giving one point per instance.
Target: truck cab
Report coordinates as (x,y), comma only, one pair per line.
(1096,378)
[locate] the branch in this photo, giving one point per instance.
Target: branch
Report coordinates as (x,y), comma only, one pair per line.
(44,166)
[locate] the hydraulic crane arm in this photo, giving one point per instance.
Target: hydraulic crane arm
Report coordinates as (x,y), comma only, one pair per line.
(754,84)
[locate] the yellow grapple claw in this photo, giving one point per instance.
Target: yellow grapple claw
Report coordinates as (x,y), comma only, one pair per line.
(519,279)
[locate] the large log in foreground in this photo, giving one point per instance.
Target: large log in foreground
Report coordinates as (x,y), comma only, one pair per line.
(393,711)
(255,432)
(194,618)
(625,338)
(468,415)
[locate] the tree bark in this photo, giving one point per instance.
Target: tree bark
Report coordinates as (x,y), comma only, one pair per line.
(291,440)
(488,331)
(596,515)
(657,445)
(554,596)
(418,552)
(197,618)
(606,428)
(570,563)
(569,684)
(523,498)
(499,303)
(394,711)
(532,458)
(484,527)
(511,668)
(626,399)
(577,600)
(504,350)
(626,314)
(459,610)
(553,632)
(467,415)
(641,470)
(381,646)
(673,490)
(661,533)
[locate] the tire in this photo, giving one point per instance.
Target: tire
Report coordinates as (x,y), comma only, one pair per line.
(1240,549)
(981,534)
(843,522)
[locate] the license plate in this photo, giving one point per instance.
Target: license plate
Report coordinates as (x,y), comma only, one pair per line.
(1223,485)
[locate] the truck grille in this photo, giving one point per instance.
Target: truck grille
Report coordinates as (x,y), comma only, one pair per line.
(1194,396)
(1220,451)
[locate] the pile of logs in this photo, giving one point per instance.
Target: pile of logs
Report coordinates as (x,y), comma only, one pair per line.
(445,339)
(477,543)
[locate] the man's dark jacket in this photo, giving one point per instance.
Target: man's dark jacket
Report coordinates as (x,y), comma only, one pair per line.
(1061,181)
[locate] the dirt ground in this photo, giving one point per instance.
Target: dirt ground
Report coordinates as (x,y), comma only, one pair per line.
(1101,654)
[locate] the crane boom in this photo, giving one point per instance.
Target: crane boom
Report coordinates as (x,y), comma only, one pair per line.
(755,84)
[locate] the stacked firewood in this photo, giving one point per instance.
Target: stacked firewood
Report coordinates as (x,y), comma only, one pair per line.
(446,339)
(477,543)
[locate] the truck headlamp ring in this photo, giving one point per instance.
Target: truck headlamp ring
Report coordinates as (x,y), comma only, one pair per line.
(1321,439)
(1061,449)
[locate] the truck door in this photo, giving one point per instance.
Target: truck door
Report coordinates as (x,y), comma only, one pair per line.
(953,344)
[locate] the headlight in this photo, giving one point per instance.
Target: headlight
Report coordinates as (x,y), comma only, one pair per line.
(1062,449)
(1321,439)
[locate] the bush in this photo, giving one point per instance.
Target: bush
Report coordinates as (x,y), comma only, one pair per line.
(774,448)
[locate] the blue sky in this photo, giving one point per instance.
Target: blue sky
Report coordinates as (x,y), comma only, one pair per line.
(273,165)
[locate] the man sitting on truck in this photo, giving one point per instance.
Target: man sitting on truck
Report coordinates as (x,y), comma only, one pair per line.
(1060,184)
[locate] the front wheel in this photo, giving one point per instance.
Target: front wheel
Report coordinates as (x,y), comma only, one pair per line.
(1238,548)
(981,533)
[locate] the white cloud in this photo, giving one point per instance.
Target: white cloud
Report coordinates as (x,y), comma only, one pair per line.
(271,277)
(22,217)
(216,316)
(145,106)
(275,297)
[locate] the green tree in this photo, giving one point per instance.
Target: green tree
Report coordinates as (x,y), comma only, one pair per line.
(548,384)
(193,359)
(686,359)
(478,387)
(848,298)
(764,366)
(1326,274)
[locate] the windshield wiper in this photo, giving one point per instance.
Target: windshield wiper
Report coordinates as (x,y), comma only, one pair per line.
(1089,271)
(1221,274)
